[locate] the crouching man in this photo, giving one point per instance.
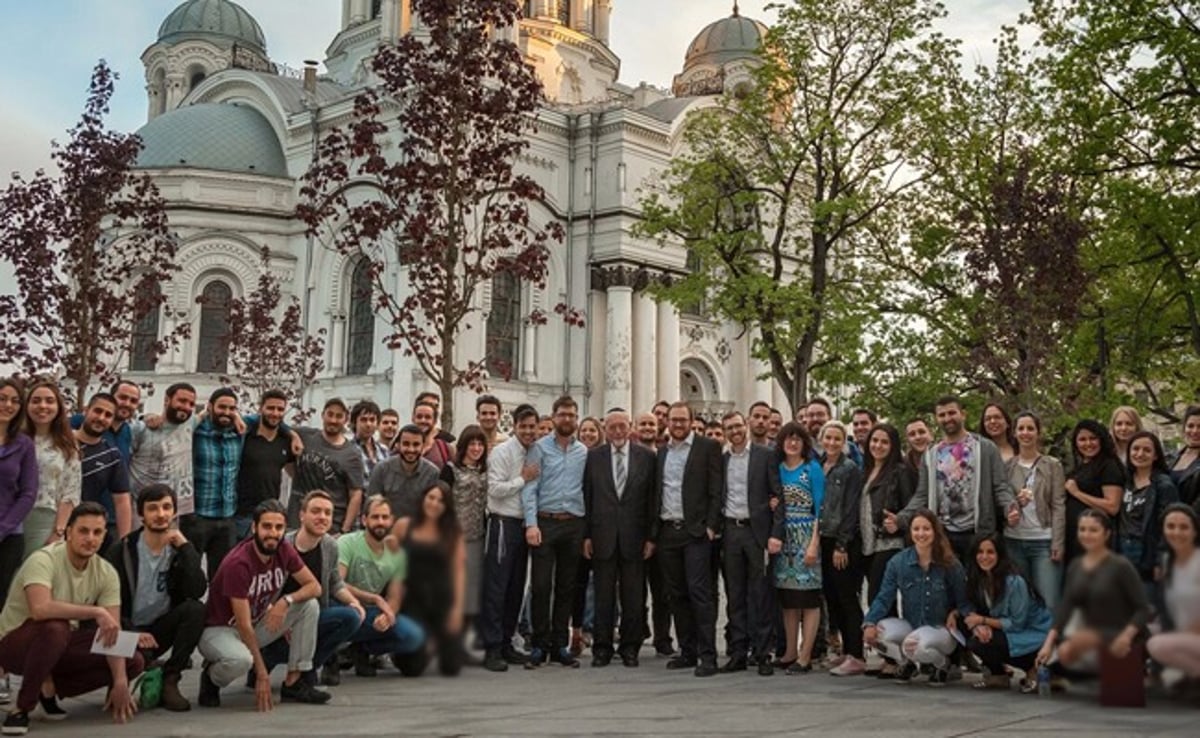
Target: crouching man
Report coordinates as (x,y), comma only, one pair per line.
(246,613)
(161,588)
(61,596)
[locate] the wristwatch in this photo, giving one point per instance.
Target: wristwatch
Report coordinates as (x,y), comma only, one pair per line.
(289,600)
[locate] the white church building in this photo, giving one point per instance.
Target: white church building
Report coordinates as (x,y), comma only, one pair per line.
(230,134)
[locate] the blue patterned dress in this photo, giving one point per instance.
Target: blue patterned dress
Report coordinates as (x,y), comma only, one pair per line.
(803,491)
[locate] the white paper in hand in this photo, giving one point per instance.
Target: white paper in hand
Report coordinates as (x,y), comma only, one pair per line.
(126,645)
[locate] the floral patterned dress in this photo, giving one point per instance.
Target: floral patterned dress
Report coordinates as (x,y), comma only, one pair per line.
(803,491)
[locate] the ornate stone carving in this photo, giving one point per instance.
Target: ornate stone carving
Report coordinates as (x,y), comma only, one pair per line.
(637,277)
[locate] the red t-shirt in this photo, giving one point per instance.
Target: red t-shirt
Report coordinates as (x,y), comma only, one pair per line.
(244,575)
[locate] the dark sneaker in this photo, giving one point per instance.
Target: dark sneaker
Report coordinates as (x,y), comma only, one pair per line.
(939,678)
(17,723)
(364,665)
(302,691)
(566,658)
(210,693)
(172,699)
(906,673)
(331,674)
(536,658)
(512,656)
(495,661)
(51,710)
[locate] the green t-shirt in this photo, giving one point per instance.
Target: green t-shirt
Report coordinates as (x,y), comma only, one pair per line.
(97,584)
(365,570)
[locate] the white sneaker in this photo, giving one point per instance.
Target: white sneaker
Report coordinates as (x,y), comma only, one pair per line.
(850,666)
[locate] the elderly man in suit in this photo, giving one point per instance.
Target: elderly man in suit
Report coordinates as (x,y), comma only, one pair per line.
(618,492)
(751,482)
(689,499)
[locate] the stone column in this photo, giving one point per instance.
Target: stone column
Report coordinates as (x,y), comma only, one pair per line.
(337,344)
(617,283)
(597,337)
(359,10)
(668,353)
(645,349)
(602,11)
(529,352)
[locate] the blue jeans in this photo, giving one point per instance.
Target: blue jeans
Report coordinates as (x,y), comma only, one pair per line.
(1033,557)
(405,636)
(335,626)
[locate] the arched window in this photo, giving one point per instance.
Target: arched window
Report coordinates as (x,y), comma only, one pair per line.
(360,329)
(212,351)
(197,78)
(143,355)
(376,8)
(504,326)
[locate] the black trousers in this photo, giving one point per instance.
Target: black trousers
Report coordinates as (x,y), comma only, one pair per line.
(876,565)
(658,609)
(504,559)
(961,543)
(687,571)
(212,537)
(747,591)
(843,591)
(12,548)
(583,575)
(552,594)
(995,655)
(628,576)
(179,630)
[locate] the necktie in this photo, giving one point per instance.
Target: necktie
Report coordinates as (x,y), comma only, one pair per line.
(619,477)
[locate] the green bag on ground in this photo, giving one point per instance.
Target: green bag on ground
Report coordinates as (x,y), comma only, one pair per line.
(148,688)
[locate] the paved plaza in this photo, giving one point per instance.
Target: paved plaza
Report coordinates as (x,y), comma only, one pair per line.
(646,701)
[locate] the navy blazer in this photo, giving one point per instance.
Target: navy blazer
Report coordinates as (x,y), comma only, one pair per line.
(619,526)
(762,486)
(703,488)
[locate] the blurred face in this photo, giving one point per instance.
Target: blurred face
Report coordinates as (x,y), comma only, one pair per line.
(879,445)
(365,425)
(1087,444)
(333,420)
(760,418)
(378,520)
(832,443)
(527,430)
(793,448)
(10,404)
(616,428)
(993,422)
(921,531)
(660,414)
(1191,431)
(715,432)
(698,426)
(129,397)
(1142,454)
(815,416)
(317,517)
(1179,532)
(566,421)
(1027,433)
(223,412)
(861,425)
(271,412)
(774,424)
(918,436)
(545,427)
(180,406)
(488,417)
(475,451)
(735,431)
(158,514)
(43,407)
(434,504)
(679,423)
(410,446)
(99,417)
(1123,427)
(85,535)
(986,556)
(268,532)
(1092,535)
(949,419)
(388,425)
(423,418)
(589,434)
(647,428)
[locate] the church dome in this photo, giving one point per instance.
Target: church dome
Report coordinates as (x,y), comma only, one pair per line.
(724,41)
(221,21)
(223,137)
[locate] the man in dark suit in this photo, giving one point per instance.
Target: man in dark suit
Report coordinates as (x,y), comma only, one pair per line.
(689,502)
(750,532)
(618,493)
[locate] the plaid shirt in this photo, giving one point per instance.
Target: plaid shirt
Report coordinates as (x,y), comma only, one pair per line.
(216,458)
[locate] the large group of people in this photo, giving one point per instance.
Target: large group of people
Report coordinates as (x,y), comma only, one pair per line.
(235,544)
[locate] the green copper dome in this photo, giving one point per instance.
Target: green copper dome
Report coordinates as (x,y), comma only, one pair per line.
(724,41)
(220,21)
(222,137)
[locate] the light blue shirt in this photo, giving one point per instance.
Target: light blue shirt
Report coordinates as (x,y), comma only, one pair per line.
(672,481)
(558,487)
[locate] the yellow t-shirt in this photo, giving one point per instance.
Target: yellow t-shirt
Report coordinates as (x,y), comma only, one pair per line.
(97,584)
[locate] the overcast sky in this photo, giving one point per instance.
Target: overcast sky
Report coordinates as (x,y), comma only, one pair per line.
(52,45)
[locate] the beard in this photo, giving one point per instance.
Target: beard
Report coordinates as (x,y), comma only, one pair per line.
(177,416)
(379,532)
(262,545)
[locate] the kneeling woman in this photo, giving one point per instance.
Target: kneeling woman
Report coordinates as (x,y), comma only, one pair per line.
(1179,644)
(1108,594)
(434,589)
(933,587)
(1004,619)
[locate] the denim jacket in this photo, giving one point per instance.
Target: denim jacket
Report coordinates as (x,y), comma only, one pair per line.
(840,509)
(928,596)
(1023,618)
